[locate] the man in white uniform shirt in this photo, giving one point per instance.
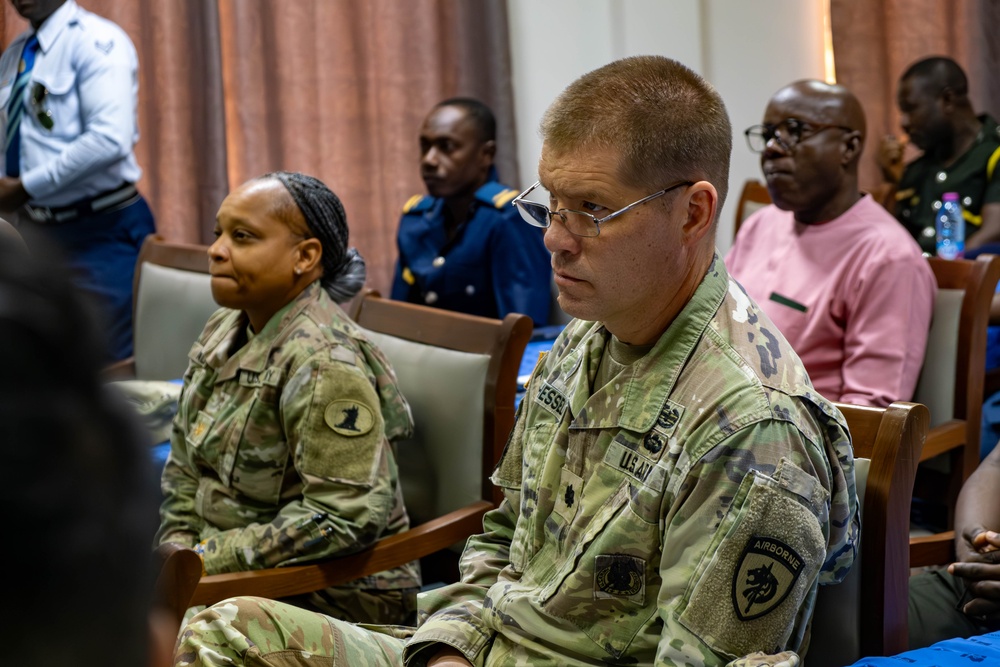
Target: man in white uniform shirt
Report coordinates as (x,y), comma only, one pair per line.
(68,95)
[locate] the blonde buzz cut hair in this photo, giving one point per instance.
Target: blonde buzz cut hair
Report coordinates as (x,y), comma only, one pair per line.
(666,121)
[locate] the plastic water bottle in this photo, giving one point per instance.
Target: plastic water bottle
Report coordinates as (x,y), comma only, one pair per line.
(950,228)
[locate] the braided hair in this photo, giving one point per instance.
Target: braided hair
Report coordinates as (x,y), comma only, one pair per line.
(343,268)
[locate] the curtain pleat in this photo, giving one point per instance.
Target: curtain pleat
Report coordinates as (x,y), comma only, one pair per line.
(232,89)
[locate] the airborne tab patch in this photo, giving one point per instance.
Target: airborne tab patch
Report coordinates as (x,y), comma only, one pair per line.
(765,575)
(348,418)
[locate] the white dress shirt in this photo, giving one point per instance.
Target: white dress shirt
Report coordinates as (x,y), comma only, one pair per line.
(87,74)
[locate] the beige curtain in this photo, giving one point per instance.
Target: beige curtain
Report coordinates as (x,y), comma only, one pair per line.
(876,40)
(231,89)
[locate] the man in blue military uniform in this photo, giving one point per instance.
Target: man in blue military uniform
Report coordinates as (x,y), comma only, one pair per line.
(69,91)
(463,246)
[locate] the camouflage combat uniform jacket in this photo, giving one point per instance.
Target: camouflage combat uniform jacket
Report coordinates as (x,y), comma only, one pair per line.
(280,451)
(683,514)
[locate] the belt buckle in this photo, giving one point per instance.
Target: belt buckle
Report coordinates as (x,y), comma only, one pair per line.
(40,215)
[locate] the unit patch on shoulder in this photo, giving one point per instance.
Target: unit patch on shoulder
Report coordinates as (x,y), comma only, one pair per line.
(764,576)
(348,418)
(620,576)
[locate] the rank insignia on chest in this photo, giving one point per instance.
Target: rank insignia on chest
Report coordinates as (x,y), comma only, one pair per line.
(348,418)
(620,576)
(765,575)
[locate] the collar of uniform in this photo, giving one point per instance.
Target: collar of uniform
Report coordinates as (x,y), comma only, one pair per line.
(635,399)
(254,355)
(989,130)
(54,25)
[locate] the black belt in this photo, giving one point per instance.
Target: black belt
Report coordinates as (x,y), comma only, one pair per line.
(103,202)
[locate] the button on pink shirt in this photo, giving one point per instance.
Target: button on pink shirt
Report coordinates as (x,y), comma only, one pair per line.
(853,296)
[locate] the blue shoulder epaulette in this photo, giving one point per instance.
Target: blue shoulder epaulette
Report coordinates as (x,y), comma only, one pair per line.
(417,204)
(495,194)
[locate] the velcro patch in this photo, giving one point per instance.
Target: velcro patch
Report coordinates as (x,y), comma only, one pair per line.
(766,573)
(348,418)
(620,576)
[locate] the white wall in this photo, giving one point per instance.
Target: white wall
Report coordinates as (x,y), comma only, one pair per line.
(747,50)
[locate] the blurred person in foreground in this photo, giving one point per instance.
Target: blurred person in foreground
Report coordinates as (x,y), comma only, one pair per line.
(78,482)
(674,489)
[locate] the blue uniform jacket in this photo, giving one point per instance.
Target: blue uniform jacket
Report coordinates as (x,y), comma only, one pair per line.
(496,264)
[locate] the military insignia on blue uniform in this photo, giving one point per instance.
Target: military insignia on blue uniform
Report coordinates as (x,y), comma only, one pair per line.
(765,575)
(408,276)
(501,199)
(417,203)
(348,418)
(620,576)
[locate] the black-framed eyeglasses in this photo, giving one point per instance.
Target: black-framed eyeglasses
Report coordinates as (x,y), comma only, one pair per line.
(788,133)
(579,223)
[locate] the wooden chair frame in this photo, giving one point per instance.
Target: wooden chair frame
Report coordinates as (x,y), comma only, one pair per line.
(754,192)
(978,278)
(504,342)
(891,438)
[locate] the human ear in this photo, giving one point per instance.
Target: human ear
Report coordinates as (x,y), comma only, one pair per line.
(851,147)
(308,255)
(702,201)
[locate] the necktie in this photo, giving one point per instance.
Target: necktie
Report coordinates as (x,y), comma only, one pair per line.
(15,108)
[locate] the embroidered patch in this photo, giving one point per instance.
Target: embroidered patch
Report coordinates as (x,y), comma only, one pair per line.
(620,576)
(551,399)
(348,418)
(653,442)
(764,576)
(668,418)
(621,456)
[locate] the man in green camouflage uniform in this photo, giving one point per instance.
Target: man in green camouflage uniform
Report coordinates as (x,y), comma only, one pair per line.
(280,452)
(674,489)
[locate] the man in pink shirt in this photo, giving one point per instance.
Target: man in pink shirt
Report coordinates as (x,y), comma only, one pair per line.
(836,273)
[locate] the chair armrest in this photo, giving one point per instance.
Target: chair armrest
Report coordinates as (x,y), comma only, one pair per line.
(937,549)
(124,369)
(179,571)
(389,552)
(944,437)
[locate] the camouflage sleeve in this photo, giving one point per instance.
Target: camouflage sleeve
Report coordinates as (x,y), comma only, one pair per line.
(747,584)
(336,435)
(452,614)
(178,520)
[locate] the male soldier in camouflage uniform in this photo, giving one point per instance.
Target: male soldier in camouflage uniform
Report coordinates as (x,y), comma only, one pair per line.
(675,490)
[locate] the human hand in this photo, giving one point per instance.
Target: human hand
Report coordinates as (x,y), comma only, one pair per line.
(448,657)
(890,158)
(12,194)
(982,576)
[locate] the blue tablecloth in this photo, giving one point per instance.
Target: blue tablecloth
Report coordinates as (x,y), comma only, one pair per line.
(982,650)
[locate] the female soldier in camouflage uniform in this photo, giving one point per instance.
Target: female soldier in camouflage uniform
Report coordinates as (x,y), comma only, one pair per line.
(280,452)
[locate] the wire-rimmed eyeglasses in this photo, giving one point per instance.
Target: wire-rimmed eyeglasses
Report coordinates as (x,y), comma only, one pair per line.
(788,133)
(579,223)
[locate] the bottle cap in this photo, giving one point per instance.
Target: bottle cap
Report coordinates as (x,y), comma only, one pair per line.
(950,196)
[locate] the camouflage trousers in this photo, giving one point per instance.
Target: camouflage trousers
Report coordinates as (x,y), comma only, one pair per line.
(258,632)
